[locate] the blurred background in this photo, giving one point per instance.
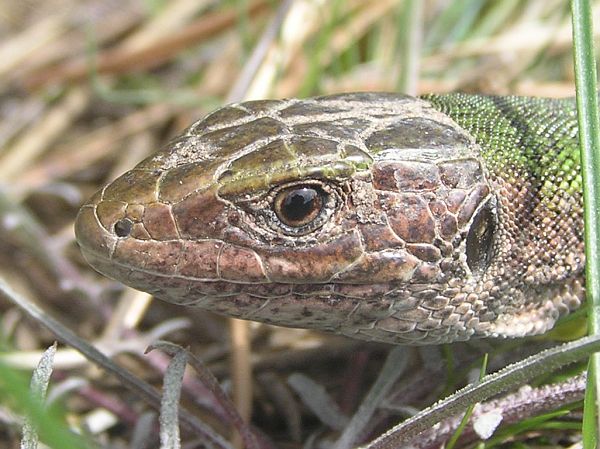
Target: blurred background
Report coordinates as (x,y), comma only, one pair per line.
(89,88)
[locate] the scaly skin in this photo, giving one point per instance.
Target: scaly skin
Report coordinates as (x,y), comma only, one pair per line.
(377,216)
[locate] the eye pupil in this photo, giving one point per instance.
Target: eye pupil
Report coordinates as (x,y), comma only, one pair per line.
(123,227)
(298,206)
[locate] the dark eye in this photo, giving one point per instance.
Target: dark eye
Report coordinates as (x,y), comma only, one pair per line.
(298,206)
(123,227)
(480,239)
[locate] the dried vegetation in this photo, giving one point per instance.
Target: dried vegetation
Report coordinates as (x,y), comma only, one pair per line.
(88,88)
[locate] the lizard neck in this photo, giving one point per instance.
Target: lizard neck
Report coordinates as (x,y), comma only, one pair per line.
(531,154)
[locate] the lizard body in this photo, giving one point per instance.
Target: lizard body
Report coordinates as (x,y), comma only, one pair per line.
(377,216)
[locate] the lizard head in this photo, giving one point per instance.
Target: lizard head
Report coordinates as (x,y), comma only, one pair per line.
(368,215)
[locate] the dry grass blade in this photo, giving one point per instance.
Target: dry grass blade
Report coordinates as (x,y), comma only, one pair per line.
(316,398)
(16,50)
(393,368)
(209,381)
(122,60)
(39,385)
(143,429)
(141,388)
(92,148)
(169,405)
(22,153)
(241,89)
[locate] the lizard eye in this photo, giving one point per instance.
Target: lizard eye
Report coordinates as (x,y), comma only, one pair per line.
(298,206)
(480,239)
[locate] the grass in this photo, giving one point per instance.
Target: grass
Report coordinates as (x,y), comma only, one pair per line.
(587,106)
(90,88)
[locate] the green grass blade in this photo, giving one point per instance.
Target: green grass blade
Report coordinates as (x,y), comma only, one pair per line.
(589,428)
(49,423)
(411,22)
(587,107)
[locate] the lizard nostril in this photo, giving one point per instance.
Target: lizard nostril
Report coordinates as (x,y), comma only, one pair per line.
(123,227)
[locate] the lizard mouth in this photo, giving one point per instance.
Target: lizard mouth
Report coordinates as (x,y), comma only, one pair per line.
(306,305)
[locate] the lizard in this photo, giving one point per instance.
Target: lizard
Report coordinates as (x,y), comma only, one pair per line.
(379,216)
